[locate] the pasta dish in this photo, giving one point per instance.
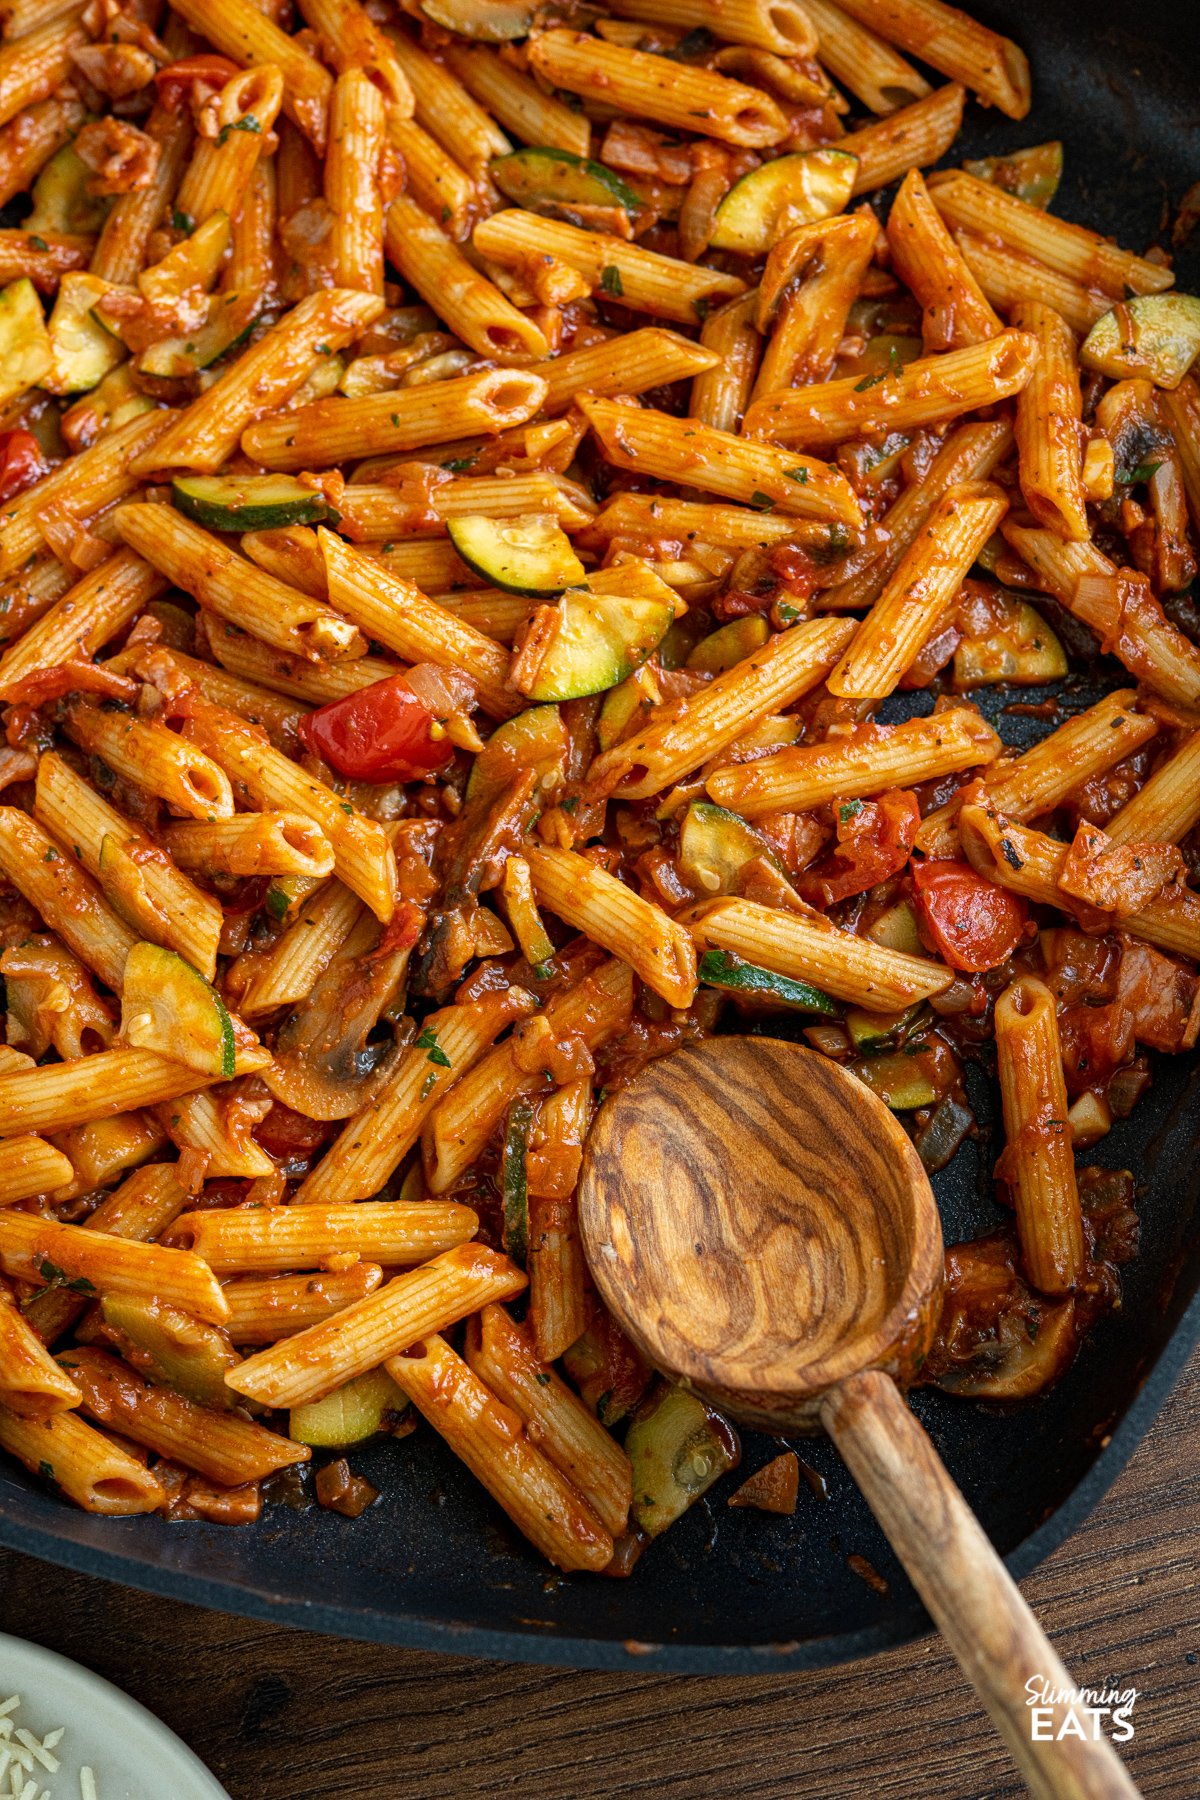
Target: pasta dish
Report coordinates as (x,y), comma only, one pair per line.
(524,532)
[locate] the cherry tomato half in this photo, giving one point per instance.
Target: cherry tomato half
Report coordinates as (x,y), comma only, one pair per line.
(974,924)
(874,838)
(21,462)
(382,733)
(178,78)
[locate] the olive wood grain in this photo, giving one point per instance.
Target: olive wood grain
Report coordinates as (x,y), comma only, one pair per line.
(762,1229)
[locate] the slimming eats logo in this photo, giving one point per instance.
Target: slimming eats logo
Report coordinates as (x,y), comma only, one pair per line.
(1087,1709)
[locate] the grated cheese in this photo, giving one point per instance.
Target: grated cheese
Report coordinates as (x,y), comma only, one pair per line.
(21,1753)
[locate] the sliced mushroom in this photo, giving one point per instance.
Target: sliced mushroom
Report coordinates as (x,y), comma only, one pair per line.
(325,1064)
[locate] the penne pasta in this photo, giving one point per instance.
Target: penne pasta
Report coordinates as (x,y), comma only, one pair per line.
(516,100)
(992,66)
(263,843)
(568,1435)
(82,1463)
(1023,787)
(720,394)
(362,1335)
(208,431)
(646,86)
(264,1309)
(1007,278)
(632,364)
(869,760)
(1039,1159)
(31,1382)
(1049,425)
(375,1141)
(473,307)
(270,1238)
(808,948)
(332,430)
(156,758)
(489,1439)
(29,1166)
(662,286)
(915,599)
(776,676)
(221,1446)
(252,38)
(862,61)
(96,1262)
(1167,805)
(69,902)
(968,204)
(613,915)
(912,138)
(930,263)
(225,584)
(654,443)
(930,391)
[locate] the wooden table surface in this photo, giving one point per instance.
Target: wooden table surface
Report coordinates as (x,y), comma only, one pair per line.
(287,1715)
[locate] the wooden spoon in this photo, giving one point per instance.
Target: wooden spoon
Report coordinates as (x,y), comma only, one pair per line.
(763,1230)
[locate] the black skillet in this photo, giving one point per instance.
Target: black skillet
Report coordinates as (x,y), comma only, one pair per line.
(435,1564)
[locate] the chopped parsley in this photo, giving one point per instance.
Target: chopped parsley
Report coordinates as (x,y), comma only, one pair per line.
(849,809)
(761,502)
(428,1041)
(53,1276)
(249,123)
(610,281)
(456,465)
(800,475)
(1144,472)
(183,222)
(38,243)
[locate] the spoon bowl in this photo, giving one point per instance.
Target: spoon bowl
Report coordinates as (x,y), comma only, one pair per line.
(761,1279)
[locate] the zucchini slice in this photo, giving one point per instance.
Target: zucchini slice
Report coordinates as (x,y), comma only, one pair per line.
(248,502)
(535,739)
(1032,175)
(600,639)
(872,1031)
(514,1192)
(167,1006)
(83,351)
(1154,336)
(528,555)
(230,319)
(779,195)
(722,969)
(899,1077)
(729,644)
(714,847)
(61,201)
(173,1348)
(195,263)
(896,929)
(25,352)
(489,21)
(1024,651)
(621,708)
(678,1447)
(357,1410)
(544,177)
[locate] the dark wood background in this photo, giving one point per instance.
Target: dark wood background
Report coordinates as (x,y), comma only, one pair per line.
(286,1715)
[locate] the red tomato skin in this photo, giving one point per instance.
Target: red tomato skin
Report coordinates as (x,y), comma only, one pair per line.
(21,462)
(973,923)
(285,1134)
(381,733)
(874,838)
(177,78)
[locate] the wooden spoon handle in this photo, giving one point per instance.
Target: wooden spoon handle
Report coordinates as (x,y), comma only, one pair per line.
(967,1590)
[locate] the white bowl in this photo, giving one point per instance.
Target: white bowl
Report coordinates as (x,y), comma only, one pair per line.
(131,1753)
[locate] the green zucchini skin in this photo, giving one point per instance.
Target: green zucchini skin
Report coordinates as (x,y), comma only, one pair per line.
(722,969)
(248,502)
(532,555)
(542,176)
